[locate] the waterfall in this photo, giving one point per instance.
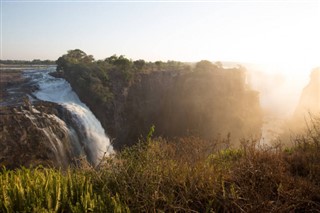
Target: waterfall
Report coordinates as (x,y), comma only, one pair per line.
(60,150)
(90,132)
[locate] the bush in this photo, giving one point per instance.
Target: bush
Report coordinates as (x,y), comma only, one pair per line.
(181,175)
(168,176)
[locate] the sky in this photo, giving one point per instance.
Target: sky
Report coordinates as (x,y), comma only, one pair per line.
(266,32)
(280,38)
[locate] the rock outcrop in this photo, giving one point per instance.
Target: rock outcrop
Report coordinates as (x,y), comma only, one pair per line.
(34,135)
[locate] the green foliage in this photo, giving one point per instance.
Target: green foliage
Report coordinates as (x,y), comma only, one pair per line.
(225,158)
(96,79)
(139,64)
(181,175)
(48,190)
(150,134)
(121,65)
(87,77)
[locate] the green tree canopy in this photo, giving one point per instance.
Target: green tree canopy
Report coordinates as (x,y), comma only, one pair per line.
(75,56)
(120,62)
(139,64)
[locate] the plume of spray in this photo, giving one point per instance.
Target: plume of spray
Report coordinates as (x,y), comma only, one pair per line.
(280,90)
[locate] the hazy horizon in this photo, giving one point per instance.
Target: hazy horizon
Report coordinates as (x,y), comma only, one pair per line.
(258,32)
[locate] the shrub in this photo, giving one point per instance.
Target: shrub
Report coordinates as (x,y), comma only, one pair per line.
(180,175)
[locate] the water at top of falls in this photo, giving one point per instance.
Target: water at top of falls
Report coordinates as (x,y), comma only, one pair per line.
(59,91)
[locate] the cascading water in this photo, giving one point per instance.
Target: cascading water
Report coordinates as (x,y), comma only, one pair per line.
(59,149)
(90,132)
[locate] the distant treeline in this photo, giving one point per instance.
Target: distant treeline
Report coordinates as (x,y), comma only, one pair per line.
(25,62)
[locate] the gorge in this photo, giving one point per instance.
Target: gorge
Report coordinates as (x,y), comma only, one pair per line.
(48,124)
(204,100)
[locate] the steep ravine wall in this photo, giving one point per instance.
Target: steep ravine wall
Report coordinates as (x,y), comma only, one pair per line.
(310,97)
(307,111)
(205,104)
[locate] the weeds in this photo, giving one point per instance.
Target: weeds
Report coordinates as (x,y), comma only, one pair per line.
(180,175)
(49,190)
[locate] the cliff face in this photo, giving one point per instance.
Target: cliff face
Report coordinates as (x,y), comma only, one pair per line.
(205,103)
(128,97)
(308,106)
(310,97)
(34,135)
(212,103)
(144,103)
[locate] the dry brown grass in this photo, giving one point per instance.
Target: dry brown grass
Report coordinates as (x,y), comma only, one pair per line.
(192,175)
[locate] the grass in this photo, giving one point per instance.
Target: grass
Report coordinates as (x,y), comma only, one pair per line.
(49,190)
(181,175)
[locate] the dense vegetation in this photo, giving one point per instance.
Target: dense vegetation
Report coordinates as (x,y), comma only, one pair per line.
(203,99)
(91,76)
(184,175)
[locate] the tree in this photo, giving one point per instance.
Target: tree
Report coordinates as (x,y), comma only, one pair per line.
(158,64)
(78,56)
(139,64)
(120,62)
(74,57)
(123,62)
(111,59)
(205,65)
(62,62)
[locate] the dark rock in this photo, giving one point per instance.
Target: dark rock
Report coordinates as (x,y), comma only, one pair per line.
(29,138)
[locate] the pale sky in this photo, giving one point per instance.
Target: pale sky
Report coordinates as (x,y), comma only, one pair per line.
(276,32)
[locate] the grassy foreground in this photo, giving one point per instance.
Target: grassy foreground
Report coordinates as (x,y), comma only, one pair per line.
(184,175)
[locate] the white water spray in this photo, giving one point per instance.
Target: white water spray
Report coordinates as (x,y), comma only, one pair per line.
(60,149)
(280,89)
(59,91)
